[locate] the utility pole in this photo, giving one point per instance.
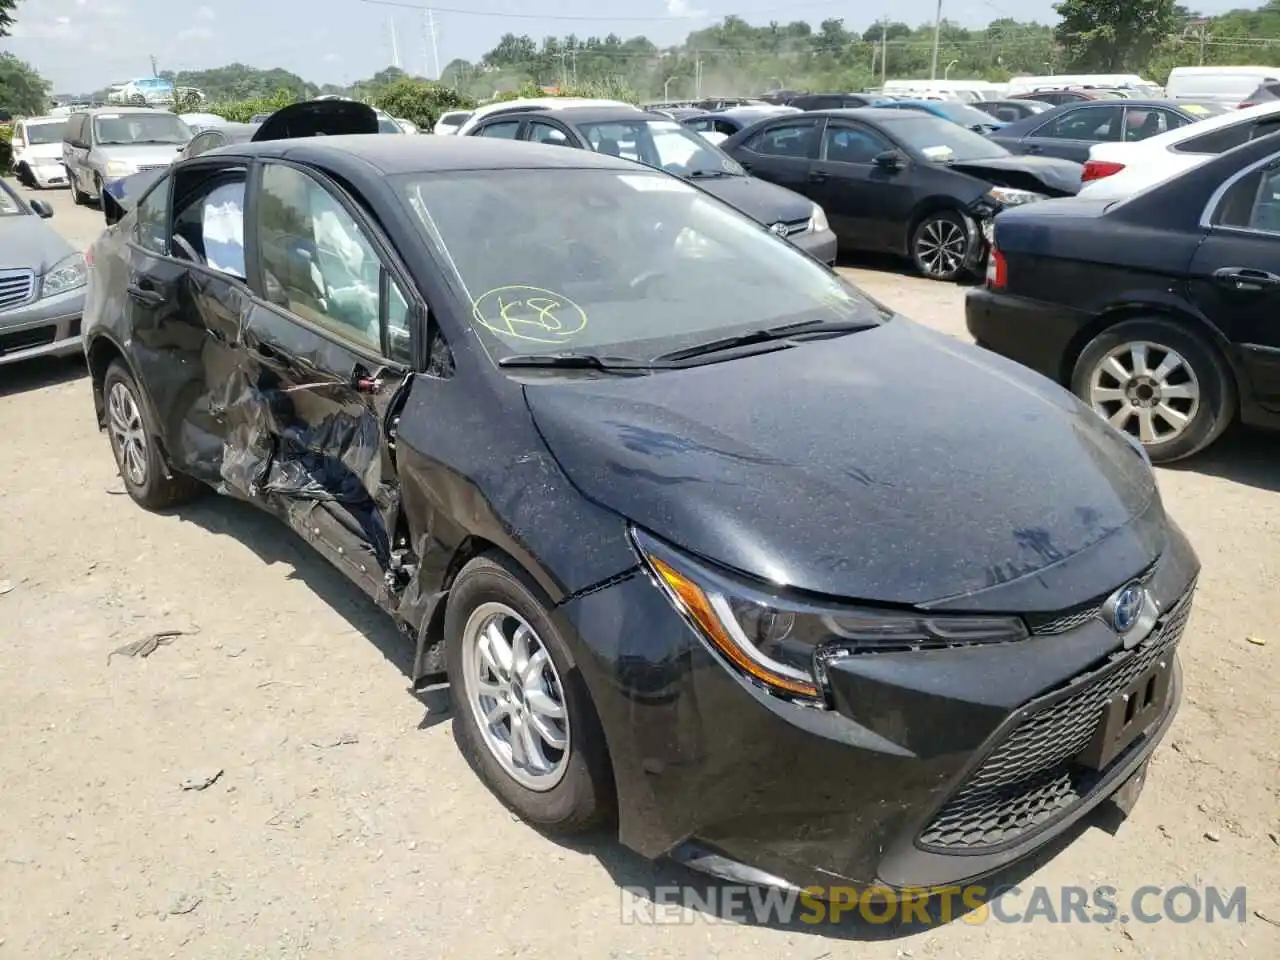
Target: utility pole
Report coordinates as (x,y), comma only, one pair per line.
(884,51)
(429,36)
(155,69)
(937,35)
(395,46)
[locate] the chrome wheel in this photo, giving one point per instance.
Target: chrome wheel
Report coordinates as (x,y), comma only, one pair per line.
(1146,390)
(940,248)
(128,435)
(516,696)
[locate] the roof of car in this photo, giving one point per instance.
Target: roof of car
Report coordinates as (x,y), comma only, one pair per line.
(395,155)
(593,114)
(94,111)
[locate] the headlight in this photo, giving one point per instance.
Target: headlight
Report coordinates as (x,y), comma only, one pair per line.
(785,644)
(1009,197)
(66,275)
(119,168)
(818,222)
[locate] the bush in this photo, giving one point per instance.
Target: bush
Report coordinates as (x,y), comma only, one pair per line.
(6,151)
(420,101)
(240,111)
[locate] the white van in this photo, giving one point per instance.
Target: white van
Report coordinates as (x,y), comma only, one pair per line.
(1229,85)
(1062,81)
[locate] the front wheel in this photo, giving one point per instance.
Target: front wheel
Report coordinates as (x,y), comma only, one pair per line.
(1164,385)
(78,196)
(522,713)
(138,456)
(940,245)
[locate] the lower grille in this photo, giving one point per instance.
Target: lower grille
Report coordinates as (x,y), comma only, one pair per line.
(16,288)
(1032,775)
(26,339)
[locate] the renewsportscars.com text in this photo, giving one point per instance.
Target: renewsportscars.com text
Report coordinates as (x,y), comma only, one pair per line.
(972,904)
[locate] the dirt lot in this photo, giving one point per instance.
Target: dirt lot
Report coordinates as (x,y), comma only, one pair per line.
(344,823)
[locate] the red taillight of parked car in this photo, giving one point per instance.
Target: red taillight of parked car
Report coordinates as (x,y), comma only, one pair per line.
(1097,169)
(997,270)
(1247,103)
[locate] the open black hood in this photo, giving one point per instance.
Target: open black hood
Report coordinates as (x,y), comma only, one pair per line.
(311,118)
(1048,175)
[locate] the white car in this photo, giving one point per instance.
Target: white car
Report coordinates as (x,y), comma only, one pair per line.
(37,152)
(450,121)
(1117,170)
(535,103)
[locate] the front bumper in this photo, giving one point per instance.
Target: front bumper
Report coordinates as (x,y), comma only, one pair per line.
(1036,334)
(49,326)
(930,769)
(49,175)
(819,244)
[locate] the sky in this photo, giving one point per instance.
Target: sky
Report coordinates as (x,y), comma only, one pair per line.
(84,45)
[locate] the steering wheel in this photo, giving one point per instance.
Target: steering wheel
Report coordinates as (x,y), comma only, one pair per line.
(643,279)
(187,250)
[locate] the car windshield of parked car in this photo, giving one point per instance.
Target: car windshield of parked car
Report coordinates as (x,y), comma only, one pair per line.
(660,143)
(387,124)
(9,206)
(941,140)
(605,262)
(962,113)
(50,132)
(123,128)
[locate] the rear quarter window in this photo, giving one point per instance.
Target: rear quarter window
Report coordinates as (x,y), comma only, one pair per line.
(1228,138)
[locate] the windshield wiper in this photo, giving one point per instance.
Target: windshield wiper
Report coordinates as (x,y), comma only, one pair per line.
(699,174)
(786,332)
(576,361)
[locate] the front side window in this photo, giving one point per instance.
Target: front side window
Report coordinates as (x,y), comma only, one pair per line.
(1253,201)
(211,227)
(316,261)
(115,129)
(540,132)
(1094,124)
(850,144)
(1143,122)
(152,229)
(611,262)
(506,130)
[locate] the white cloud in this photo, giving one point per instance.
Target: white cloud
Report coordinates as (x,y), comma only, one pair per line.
(682,8)
(206,14)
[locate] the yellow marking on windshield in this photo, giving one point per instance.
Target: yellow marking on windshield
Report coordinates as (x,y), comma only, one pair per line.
(524,312)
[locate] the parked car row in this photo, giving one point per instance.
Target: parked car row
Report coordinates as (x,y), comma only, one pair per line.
(452,364)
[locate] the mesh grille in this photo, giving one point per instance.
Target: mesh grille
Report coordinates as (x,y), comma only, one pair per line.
(1031,777)
(16,287)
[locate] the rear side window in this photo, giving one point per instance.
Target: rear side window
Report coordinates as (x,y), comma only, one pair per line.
(1094,124)
(1228,138)
(796,141)
(1253,201)
(506,130)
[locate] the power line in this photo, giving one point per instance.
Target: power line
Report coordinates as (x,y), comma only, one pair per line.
(611,18)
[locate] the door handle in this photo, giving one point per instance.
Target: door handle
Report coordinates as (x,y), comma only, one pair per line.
(1246,279)
(1032,148)
(149,298)
(816,177)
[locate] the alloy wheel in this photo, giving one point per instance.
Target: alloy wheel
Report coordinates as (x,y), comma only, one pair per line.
(940,247)
(128,434)
(1147,390)
(516,696)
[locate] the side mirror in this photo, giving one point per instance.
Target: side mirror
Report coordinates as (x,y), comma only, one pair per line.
(42,209)
(889,160)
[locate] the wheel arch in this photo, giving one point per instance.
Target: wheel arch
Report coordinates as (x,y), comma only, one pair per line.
(934,203)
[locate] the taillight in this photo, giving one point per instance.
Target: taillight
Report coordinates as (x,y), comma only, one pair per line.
(1097,169)
(997,270)
(1247,103)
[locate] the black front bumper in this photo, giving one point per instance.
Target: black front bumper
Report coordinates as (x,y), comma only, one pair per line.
(1036,334)
(929,769)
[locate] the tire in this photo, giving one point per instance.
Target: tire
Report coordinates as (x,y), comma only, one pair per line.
(573,792)
(23,173)
(79,198)
(98,187)
(937,231)
(1184,389)
(138,458)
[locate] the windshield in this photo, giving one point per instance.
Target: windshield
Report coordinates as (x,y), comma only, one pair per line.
(122,128)
(624,264)
(9,206)
(962,114)
(660,143)
(941,140)
(454,119)
(45,132)
(387,125)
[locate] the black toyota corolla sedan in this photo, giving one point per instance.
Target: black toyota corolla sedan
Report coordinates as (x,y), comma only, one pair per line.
(706,542)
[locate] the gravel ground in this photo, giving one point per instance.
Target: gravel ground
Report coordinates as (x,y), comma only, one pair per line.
(342,821)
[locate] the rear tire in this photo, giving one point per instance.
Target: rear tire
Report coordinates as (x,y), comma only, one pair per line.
(23,173)
(138,458)
(78,197)
(511,671)
(1160,382)
(940,246)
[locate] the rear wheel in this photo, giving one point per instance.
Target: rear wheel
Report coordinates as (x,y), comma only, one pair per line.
(940,245)
(78,196)
(1159,382)
(522,713)
(138,456)
(24,176)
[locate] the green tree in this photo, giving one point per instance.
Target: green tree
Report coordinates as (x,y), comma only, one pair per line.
(420,101)
(6,18)
(22,91)
(1113,36)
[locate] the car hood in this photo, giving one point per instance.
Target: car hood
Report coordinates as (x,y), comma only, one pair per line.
(41,151)
(895,465)
(760,200)
(1057,178)
(142,155)
(28,242)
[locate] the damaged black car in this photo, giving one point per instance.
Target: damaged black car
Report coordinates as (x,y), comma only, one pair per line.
(901,182)
(708,545)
